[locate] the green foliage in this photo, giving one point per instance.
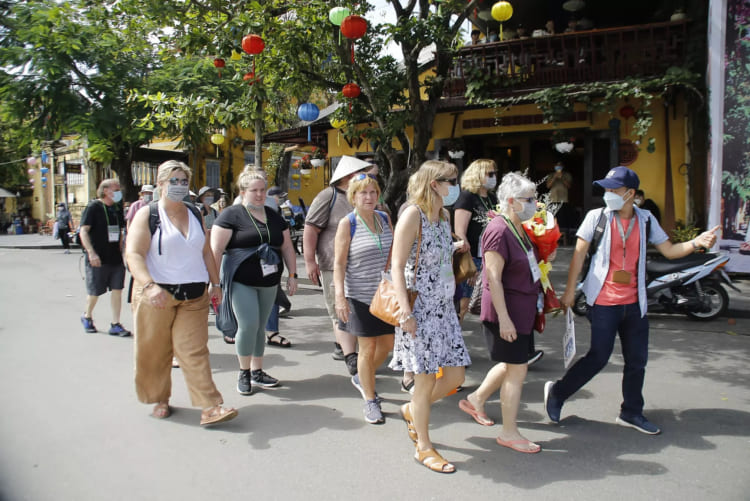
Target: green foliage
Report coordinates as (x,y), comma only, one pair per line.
(684,232)
(736,184)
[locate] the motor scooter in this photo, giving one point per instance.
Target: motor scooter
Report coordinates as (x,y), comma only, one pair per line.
(691,285)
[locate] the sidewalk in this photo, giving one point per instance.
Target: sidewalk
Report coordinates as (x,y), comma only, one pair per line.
(31,241)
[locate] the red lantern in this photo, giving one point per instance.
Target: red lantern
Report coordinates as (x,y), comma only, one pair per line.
(351,90)
(353,27)
(219,63)
(249,78)
(253,44)
(627,112)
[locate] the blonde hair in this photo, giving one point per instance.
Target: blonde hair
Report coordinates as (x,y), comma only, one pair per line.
(473,177)
(356,184)
(167,168)
(105,184)
(419,190)
(513,185)
(248,176)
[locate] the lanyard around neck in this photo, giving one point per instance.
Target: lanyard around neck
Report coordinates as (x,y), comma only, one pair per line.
(624,235)
(376,238)
(268,228)
(106,214)
(487,205)
(518,237)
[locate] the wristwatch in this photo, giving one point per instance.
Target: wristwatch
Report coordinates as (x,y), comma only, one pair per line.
(293,275)
(215,285)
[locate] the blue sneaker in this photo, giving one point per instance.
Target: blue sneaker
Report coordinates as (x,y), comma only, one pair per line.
(358,385)
(118,330)
(552,405)
(88,324)
(373,414)
(640,423)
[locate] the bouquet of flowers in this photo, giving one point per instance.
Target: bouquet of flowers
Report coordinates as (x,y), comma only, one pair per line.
(303,163)
(542,229)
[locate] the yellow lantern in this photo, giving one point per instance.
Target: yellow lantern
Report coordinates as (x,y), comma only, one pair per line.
(217,139)
(502,11)
(295,176)
(236,56)
(338,125)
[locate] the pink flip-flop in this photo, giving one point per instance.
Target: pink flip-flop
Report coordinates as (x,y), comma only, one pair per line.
(513,444)
(469,409)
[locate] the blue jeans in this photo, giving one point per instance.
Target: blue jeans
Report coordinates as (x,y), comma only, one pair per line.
(606,323)
(273,319)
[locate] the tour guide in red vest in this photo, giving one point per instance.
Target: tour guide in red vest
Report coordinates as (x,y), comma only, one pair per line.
(615,289)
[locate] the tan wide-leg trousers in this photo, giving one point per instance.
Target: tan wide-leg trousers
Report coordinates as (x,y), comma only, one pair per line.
(180,330)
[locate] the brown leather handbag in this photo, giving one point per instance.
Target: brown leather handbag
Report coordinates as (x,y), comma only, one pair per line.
(384,303)
(463,266)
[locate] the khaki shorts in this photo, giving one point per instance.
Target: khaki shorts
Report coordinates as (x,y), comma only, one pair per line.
(329,294)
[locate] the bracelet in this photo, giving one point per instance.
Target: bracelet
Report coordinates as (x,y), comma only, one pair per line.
(406,318)
(149,285)
(695,246)
(215,285)
(293,275)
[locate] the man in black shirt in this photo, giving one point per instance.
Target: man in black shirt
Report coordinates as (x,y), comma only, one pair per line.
(101,237)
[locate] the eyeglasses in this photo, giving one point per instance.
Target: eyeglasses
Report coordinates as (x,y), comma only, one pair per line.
(360,177)
(528,200)
(174,181)
(453,180)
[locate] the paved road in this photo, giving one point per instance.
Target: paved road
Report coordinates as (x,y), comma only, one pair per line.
(72,428)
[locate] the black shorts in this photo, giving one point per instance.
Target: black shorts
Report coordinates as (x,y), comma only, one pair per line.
(362,323)
(516,352)
(105,277)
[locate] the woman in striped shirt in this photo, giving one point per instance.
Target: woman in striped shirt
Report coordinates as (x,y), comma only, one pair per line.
(363,241)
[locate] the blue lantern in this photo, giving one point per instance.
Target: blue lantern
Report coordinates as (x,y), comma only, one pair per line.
(45,157)
(44,179)
(44,170)
(44,185)
(309,113)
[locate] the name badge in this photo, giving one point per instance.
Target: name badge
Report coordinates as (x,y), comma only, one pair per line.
(113,231)
(621,277)
(268,269)
(536,273)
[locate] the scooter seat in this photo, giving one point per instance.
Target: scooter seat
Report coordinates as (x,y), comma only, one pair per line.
(662,265)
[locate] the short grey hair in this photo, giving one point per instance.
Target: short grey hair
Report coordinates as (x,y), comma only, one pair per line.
(513,185)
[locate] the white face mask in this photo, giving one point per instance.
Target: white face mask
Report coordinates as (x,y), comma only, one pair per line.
(490,182)
(452,196)
(614,201)
(208,200)
(147,197)
(527,212)
(117,196)
(177,193)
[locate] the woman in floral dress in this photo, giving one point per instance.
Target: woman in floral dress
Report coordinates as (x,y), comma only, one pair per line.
(429,336)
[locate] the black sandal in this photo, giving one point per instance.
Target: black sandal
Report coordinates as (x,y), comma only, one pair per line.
(228,340)
(281,342)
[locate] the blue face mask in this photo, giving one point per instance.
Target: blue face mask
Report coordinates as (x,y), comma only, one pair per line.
(117,196)
(452,196)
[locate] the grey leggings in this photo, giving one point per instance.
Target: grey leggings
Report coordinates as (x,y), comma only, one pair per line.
(251,306)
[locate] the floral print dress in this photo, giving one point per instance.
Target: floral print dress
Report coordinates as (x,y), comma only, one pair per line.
(439,342)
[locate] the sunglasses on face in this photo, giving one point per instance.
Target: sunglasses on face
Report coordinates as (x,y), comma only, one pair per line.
(528,200)
(453,180)
(491,174)
(174,181)
(360,177)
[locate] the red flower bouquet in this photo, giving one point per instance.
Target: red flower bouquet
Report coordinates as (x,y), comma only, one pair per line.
(543,230)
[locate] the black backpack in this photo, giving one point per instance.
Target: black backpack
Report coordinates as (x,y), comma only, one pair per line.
(154,221)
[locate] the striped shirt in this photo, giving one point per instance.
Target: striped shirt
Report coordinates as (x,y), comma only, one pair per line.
(366,259)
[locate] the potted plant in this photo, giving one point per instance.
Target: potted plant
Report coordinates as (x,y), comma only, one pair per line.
(318,157)
(303,164)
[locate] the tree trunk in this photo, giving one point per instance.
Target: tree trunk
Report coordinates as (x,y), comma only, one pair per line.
(121,164)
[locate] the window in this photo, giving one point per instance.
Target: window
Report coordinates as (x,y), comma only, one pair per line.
(213,168)
(249,157)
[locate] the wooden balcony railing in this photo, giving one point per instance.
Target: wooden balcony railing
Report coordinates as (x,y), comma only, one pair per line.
(609,54)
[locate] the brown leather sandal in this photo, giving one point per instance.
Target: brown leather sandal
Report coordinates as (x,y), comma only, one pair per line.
(217,414)
(406,414)
(434,461)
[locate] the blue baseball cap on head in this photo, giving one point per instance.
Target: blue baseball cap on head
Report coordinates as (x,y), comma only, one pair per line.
(619,176)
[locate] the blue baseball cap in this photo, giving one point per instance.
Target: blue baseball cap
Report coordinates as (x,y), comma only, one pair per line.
(619,176)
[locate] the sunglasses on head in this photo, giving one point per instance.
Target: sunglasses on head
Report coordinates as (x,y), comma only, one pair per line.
(453,180)
(174,181)
(360,177)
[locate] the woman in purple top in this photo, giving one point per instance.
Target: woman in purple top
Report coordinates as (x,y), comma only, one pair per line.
(509,305)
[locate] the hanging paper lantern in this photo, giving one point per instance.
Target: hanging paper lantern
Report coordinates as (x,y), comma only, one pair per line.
(627,111)
(309,113)
(44,185)
(32,180)
(351,90)
(236,56)
(502,11)
(219,63)
(250,78)
(31,172)
(217,139)
(44,170)
(44,179)
(31,161)
(338,14)
(253,44)
(338,125)
(353,27)
(45,157)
